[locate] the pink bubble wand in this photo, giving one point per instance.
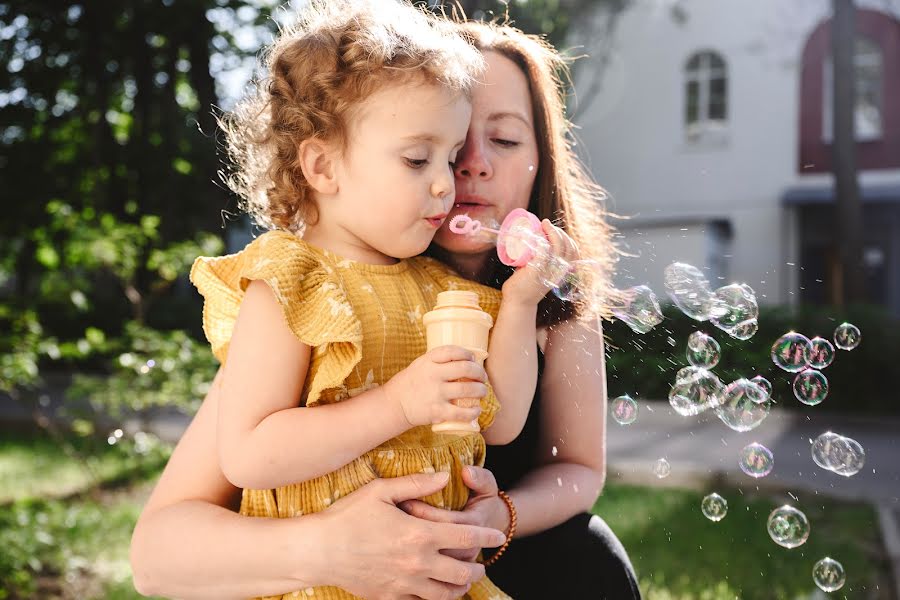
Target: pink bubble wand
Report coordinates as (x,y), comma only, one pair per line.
(512,247)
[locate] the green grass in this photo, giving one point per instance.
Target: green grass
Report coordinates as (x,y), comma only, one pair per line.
(67,508)
(38,465)
(678,554)
(62,538)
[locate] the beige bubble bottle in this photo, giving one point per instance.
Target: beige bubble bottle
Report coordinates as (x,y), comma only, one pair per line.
(457,319)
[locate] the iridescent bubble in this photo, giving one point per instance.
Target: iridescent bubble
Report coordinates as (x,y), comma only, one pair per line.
(703,350)
(756,460)
(791,352)
(569,289)
(744,330)
(847,456)
(765,384)
(829,575)
(738,309)
(788,527)
(689,290)
(662,468)
(821,354)
(624,410)
(744,405)
(695,390)
(810,387)
(847,336)
(555,271)
(822,449)
(638,308)
(714,507)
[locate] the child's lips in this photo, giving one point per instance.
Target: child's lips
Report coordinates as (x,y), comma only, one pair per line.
(436,221)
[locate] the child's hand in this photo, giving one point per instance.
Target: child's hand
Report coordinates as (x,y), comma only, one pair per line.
(425,388)
(529,284)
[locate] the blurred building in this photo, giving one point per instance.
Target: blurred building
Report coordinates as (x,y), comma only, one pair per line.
(709,122)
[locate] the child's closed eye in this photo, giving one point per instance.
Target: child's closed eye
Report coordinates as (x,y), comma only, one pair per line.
(416,163)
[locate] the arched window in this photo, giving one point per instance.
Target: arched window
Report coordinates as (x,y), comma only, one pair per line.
(706,92)
(867,117)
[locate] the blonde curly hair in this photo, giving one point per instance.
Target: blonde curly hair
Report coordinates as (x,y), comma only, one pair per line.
(337,54)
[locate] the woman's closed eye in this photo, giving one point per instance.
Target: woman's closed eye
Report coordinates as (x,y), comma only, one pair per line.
(505,143)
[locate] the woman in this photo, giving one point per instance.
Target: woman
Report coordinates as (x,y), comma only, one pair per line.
(188,543)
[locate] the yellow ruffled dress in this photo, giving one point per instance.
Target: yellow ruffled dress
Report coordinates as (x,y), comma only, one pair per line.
(364,324)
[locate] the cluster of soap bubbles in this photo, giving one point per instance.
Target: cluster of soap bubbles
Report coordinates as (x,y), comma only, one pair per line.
(744,403)
(731,308)
(839,454)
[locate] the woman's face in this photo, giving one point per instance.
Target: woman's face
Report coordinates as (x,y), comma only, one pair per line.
(496,168)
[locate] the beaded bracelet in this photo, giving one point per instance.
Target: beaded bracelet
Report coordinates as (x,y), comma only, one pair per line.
(512,528)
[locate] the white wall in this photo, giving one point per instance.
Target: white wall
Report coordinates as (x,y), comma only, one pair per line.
(632,135)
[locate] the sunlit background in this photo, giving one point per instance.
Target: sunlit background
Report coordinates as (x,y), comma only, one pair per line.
(757,141)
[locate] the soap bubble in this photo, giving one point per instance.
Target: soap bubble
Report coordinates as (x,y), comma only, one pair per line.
(810,387)
(703,351)
(695,390)
(624,410)
(791,352)
(638,308)
(847,456)
(788,527)
(714,507)
(738,310)
(662,468)
(765,384)
(756,460)
(821,354)
(847,336)
(822,449)
(744,405)
(690,291)
(744,330)
(829,575)
(555,272)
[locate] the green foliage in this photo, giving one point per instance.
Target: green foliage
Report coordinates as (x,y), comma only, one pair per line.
(149,368)
(645,365)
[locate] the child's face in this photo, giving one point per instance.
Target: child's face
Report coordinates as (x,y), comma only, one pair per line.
(395,178)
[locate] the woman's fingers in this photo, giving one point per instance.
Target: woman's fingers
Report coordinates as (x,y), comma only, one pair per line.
(419,509)
(408,487)
(453,536)
(480,480)
(455,572)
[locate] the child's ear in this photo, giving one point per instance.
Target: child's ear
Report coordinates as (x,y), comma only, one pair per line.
(318,162)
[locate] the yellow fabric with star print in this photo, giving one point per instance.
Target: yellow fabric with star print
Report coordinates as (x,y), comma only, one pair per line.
(364,324)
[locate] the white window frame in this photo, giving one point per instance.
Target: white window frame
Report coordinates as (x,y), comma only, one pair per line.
(705,128)
(867,59)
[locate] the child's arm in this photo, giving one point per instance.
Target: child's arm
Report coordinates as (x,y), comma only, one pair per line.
(265,440)
(512,355)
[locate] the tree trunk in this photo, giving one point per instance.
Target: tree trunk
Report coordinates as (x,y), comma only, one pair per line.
(848,207)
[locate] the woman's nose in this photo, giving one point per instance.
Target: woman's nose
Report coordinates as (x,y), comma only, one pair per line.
(472,162)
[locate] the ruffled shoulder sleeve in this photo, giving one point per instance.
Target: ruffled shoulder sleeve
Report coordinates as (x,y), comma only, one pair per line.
(448,279)
(314,305)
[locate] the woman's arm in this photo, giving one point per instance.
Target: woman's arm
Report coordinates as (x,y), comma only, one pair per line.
(188,544)
(572,441)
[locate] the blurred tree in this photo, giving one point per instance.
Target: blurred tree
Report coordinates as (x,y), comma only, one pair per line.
(851,285)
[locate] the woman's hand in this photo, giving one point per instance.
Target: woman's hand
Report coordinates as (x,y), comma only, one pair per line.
(551,263)
(484,508)
(380,552)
